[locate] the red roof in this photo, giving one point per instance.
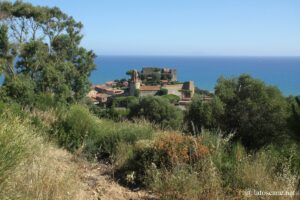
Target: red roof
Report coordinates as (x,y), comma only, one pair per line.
(149,88)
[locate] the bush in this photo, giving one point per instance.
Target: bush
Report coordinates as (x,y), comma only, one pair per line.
(178,148)
(167,151)
(172,98)
(19,88)
(75,126)
(162,91)
(124,101)
(157,110)
(257,112)
(104,142)
(203,114)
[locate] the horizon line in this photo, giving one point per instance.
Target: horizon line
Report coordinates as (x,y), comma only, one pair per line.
(150,55)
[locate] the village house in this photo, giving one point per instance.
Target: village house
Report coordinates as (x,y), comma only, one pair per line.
(184,90)
(146,90)
(148,81)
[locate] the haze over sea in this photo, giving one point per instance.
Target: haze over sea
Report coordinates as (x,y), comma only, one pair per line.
(283,72)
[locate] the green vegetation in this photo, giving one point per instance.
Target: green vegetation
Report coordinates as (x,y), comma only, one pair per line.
(50,60)
(158,111)
(245,136)
(202,114)
(257,113)
(172,98)
(162,91)
(28,168)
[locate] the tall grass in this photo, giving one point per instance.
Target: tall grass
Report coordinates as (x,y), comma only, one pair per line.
(104,143)
(31,168)
(168,166)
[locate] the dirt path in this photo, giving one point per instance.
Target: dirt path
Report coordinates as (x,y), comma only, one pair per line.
(98,185)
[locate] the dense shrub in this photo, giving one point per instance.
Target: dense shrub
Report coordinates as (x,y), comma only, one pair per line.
(157,110)
(178,148)
(20,89)
(104,142)
(75,126)
(257,112)
(294,119)
(173,99)
(124,101)
(166,152)
(162,91)
(202,114)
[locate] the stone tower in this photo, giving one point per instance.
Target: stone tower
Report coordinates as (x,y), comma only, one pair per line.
(135,83)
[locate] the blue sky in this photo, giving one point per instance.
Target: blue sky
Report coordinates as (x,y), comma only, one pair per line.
(187,28)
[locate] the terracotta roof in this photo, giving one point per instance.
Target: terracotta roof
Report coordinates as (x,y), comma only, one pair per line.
(164,81)
(102,95)
(103,86)
(150,88)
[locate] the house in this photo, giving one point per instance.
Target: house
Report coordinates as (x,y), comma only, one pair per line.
(146,90)
(108,90)
(102,98)
(92,95)
(174,89)
(184,90)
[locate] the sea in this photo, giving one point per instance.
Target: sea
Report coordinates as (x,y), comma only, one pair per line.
(282,72)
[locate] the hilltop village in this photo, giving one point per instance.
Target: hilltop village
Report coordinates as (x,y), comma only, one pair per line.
(149,81)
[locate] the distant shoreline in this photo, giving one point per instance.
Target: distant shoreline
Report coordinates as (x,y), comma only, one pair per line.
(205,70)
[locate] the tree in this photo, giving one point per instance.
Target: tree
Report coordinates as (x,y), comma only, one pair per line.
(46,42)
(204,114)
(294,119)
(7,53)
(158,111)
(255,111)
(162,91)
(172,98)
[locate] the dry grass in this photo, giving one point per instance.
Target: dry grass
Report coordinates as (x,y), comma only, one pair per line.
(47,176)
(32,169)
(260,173)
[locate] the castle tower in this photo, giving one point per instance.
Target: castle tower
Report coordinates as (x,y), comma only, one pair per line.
(135,83)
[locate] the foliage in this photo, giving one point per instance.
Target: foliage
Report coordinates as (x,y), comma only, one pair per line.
(294,119)
(75,126)
(46,43)
(6,56)
(166,151)
(104,142)
(162,91)
(204,114)
(178,149)
(157,110)
(202,92)
(172,98)
(124,101)
(257,112)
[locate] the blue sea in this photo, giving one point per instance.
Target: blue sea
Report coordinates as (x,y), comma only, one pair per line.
(283,72)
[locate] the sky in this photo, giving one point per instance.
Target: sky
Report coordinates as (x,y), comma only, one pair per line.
(187,27)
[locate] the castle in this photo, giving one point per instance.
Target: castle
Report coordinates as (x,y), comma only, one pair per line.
(150,80)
